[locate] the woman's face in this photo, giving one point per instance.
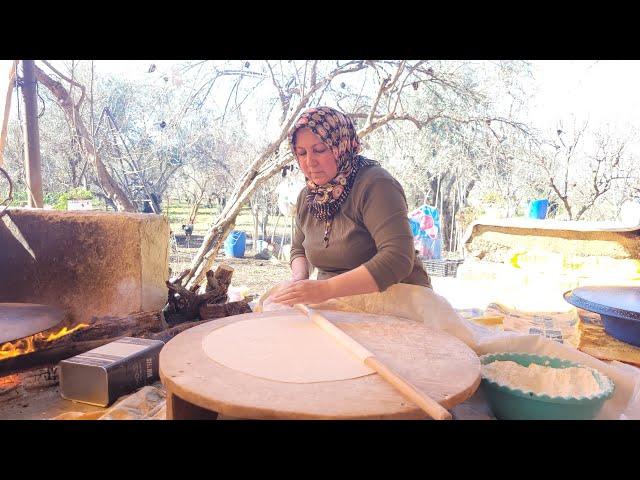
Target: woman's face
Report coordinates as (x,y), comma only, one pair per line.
(316,159)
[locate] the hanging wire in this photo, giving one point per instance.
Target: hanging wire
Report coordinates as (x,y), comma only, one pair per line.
(5,203)
(42,99)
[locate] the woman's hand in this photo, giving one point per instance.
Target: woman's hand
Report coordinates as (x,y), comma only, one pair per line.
(304,291)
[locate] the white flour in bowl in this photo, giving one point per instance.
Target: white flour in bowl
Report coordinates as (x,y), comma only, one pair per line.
(555,382)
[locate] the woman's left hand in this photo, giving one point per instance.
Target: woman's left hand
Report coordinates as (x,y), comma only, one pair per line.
(304,291)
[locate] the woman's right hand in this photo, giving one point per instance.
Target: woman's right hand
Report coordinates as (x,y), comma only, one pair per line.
(268,304)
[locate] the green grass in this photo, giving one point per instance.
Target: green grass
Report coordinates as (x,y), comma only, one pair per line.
(178,213)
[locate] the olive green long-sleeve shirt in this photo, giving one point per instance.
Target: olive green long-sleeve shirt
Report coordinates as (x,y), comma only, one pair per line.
(371,229)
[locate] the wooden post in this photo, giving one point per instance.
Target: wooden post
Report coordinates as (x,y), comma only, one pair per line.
(33,166)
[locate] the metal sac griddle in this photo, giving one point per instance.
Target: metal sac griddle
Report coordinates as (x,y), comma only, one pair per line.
(619,308)
(20,320)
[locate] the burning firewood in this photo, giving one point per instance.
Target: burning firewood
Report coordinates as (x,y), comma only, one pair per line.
(48,348)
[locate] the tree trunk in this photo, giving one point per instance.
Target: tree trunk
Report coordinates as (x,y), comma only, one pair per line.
(255,214)
(264,224)
(193,214)
(168,334)
(211,244)
(220,310)
(273,233)
(64,99)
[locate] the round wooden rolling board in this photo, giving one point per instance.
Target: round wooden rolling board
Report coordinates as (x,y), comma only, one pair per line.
(437,363)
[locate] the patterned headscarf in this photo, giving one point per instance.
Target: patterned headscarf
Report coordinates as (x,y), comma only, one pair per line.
(338,133)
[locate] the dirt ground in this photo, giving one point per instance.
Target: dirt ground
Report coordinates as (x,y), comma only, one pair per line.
(39,404)
(257,274)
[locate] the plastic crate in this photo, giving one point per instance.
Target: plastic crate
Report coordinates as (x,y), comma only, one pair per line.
(442,268)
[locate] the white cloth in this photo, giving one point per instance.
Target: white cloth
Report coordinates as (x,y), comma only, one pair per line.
(424,305)
(288,191)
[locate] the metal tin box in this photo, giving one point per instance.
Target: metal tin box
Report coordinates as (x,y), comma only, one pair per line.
(102,375)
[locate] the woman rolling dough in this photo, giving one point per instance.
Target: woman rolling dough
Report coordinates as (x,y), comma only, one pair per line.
(351,221)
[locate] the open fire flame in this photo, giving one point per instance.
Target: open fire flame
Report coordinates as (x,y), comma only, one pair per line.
(27,345)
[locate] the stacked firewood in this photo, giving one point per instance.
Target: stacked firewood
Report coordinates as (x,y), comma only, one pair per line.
(187,305)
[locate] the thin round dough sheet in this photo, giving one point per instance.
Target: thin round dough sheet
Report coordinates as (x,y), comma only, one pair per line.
(286,349)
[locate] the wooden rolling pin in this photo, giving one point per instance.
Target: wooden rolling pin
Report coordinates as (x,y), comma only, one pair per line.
(430,406)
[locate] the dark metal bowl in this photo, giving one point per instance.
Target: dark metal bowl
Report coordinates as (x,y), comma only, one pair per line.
(19,320)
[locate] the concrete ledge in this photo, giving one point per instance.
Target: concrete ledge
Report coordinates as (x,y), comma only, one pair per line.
(91,264)
(498,242)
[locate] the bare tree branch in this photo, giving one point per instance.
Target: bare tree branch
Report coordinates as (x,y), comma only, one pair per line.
(65,101)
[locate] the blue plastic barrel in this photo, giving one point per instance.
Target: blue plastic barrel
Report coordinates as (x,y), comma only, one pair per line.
(235,244)
(538,209)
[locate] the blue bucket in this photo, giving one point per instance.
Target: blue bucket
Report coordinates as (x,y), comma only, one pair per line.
(235,244)
(538,209)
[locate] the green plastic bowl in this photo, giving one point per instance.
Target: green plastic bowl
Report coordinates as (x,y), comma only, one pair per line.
(514,404)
